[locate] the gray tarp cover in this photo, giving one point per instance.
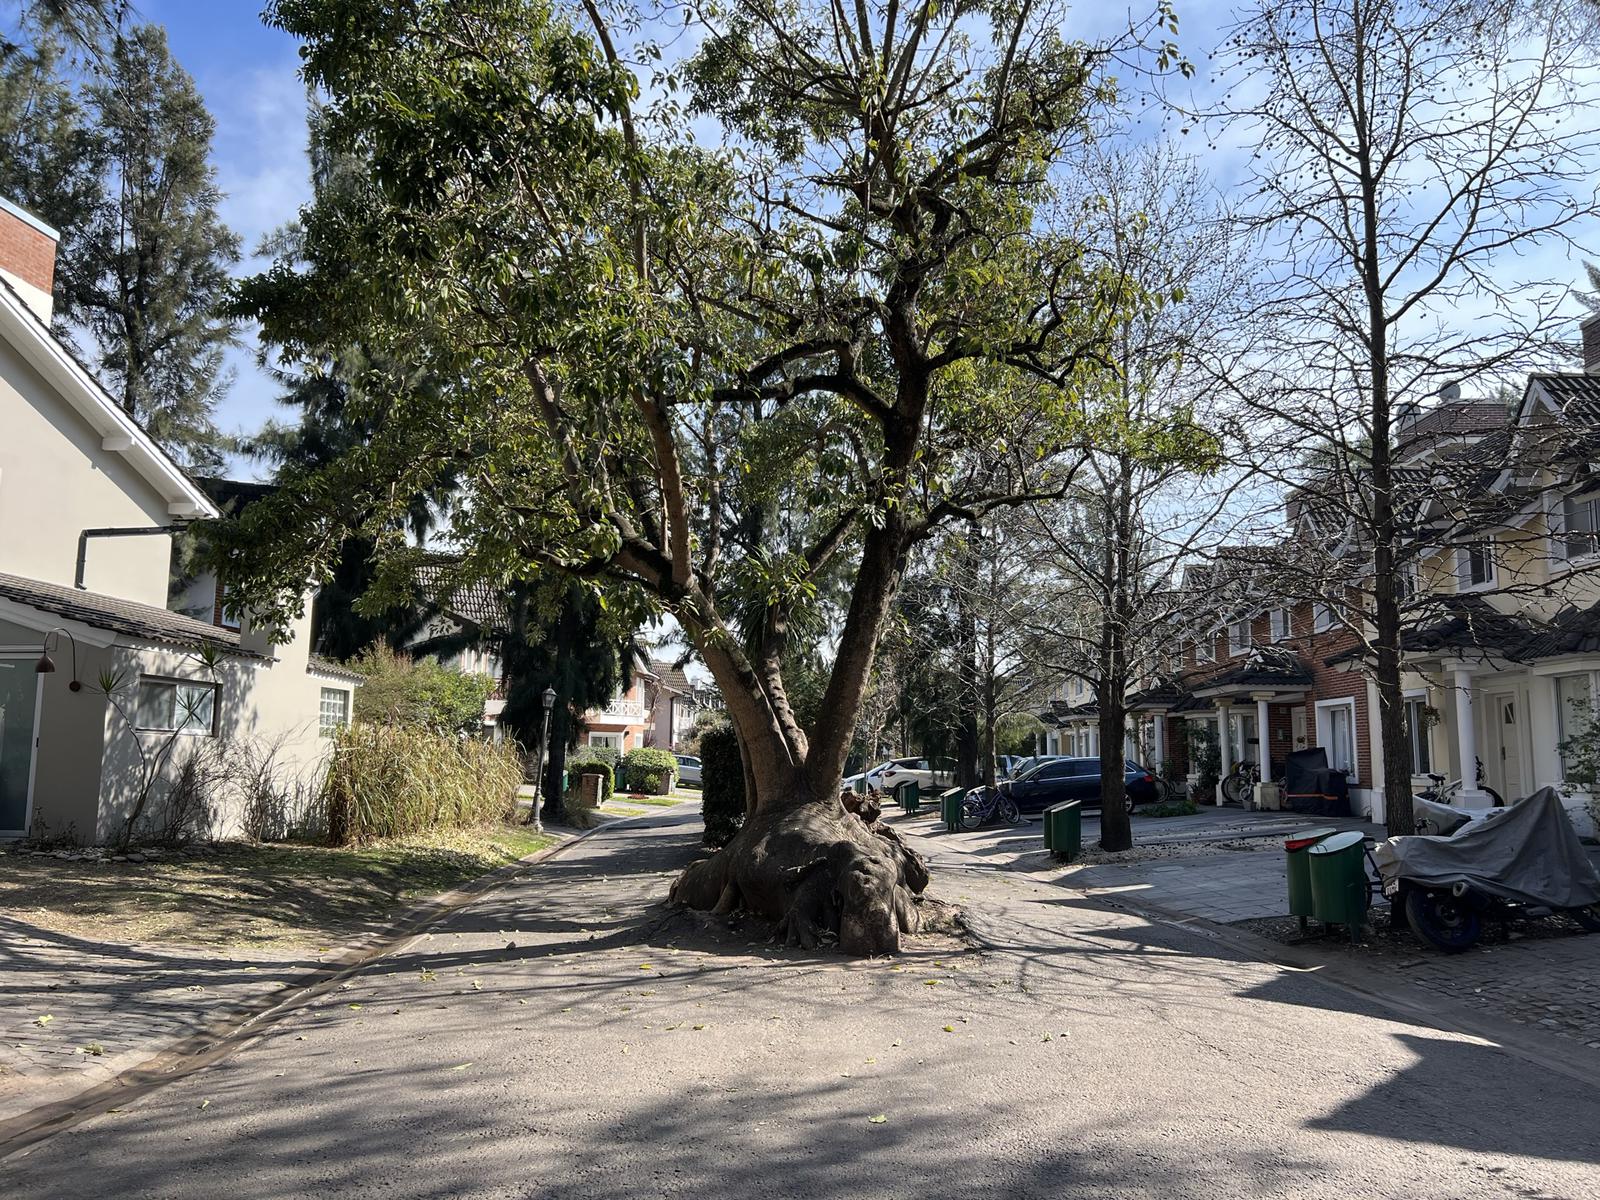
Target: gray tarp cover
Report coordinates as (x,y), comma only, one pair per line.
(1526,853)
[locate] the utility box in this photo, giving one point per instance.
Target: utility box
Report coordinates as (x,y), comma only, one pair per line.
(908,796)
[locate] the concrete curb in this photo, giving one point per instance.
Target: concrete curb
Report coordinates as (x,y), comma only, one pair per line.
(226,1035)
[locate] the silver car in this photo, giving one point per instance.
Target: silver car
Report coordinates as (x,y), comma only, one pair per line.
(688,769)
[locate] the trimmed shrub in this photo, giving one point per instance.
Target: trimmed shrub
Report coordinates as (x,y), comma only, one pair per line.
(722,784)
(389,781)
(593,766)
(646,769)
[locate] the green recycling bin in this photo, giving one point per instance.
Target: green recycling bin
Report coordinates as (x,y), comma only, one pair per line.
(1295,847)
(950,808)
(1339,893)
(908,796)
(1063,829)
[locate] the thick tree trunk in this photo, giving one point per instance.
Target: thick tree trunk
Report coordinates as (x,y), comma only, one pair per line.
(817,870)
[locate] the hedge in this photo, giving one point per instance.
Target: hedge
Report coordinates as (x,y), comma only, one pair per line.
(722,784)
(390,781)
(590,766)
(649,770)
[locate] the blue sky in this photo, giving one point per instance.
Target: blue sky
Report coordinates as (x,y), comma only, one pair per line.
(246,72)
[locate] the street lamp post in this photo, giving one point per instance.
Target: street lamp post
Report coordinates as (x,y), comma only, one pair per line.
(544,742)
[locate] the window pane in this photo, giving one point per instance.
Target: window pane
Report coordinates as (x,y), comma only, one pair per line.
(157,704)
(196,707)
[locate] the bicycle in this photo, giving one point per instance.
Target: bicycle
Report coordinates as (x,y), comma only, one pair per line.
(1447,793)
(984,804)
(1241,782)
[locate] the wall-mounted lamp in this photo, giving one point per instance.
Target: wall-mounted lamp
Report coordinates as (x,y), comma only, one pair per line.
(46,666)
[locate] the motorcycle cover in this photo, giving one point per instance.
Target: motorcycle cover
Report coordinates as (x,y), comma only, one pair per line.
(1527,854)
(1440,818)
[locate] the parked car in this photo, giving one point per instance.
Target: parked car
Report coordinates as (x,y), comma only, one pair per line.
(688,769)
(873,775)
(1057,779)
(928,774)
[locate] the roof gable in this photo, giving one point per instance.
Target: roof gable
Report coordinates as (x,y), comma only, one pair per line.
(119,433)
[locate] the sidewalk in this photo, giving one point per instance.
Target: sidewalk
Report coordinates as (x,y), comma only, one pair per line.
(1542,978)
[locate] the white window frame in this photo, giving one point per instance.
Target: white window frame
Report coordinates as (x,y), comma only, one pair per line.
(1561,521)
(1280,624)
(324,729)
(1322,617)
(1562,715)
(178,686)
(1325,731)
(1464,556)
(610,740)
(1236,645)
(1205,649)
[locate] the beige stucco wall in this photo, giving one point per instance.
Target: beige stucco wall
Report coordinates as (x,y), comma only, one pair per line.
(55,480)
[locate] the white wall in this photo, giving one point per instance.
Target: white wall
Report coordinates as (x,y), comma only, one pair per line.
(55,481)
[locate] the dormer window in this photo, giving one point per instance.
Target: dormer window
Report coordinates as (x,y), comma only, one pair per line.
(1580,526)
(1475,564)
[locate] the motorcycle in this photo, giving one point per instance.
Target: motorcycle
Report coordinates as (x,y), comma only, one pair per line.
(1512,864)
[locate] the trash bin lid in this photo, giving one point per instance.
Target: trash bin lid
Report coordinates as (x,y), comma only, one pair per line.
(1307,837)
(1338,842)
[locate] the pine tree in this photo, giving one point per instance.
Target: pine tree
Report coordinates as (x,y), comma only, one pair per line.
(156,254)
(50,160)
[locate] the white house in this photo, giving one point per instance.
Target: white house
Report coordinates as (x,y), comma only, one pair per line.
(100,680)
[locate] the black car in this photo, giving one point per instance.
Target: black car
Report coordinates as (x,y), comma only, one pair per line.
(1058,779)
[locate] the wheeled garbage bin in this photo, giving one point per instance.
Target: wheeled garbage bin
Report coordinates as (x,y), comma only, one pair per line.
(1339,891)
(1295,847)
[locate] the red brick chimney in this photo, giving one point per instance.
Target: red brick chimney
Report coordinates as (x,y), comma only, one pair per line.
(28,256)
(1591,345)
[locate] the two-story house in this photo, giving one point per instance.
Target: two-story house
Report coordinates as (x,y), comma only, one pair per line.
(104,688)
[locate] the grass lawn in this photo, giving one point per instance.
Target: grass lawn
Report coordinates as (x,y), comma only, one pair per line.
(276,896)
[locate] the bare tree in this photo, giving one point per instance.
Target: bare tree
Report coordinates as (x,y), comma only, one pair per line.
(1410,155)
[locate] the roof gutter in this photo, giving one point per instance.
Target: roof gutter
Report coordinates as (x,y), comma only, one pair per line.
(127,531)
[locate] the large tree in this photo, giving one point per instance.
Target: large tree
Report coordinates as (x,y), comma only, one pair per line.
(699,377)
(148,276)
(1410,158)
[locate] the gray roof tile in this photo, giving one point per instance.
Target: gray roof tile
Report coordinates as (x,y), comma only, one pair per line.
(143,621)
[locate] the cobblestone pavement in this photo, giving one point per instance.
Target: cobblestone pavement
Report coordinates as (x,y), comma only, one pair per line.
(74,1013)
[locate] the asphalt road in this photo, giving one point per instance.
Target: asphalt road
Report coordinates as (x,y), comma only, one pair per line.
(567,1037)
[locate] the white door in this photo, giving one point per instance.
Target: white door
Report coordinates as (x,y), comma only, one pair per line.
(19,713)
(1336,732)
(1504,768)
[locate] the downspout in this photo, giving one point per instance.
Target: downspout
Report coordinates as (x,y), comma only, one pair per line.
(127,531)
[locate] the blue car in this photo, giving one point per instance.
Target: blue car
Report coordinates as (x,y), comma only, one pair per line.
(1058,779)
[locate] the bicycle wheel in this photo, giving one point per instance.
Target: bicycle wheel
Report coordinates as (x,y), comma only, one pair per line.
(1009,812)
(1233,787)
(974,811)
(1163,790)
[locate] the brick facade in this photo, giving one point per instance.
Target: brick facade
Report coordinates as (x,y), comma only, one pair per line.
(26,251)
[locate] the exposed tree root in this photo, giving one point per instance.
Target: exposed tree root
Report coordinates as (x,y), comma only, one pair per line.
(819,872)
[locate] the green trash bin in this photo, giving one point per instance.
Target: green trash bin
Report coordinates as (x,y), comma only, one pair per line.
(1295,847)
(1339,893)
(1063,829)
(950,808)
(908,796)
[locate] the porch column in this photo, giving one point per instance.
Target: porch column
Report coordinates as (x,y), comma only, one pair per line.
(1158,741)
(1224,748)
(1467,742)
(1263,741)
